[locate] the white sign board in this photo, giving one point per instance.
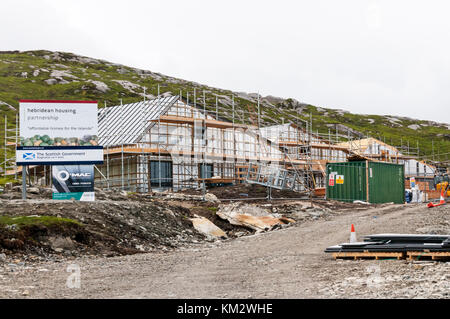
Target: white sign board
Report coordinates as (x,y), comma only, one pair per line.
(58,132)
(61,155)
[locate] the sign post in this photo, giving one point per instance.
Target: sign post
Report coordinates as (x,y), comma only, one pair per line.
(59,133)
(24,182)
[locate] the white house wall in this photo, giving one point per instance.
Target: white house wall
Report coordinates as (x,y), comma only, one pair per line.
(416,168)
(376,148)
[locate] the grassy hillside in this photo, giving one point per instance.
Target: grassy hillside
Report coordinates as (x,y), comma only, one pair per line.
(57,75)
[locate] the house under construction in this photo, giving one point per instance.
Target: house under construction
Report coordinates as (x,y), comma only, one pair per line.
(169,143)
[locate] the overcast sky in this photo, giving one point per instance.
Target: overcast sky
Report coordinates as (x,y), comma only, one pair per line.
(364,56)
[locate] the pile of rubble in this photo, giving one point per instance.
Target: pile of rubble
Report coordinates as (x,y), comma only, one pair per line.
(34,192)
(121,222)
(108,227)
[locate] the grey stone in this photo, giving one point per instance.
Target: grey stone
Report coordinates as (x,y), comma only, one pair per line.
(414,126)
(51,81)
(100,86)
(33,190)
(58,244)
(122,71)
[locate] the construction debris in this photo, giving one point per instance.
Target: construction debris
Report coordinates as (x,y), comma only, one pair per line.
(209,197)
(207,228)
(102,228)
(252,217)
(397,246)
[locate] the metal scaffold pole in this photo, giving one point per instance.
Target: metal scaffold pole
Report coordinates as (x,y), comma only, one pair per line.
(6,156)
(217,109)
(232,102)
(159,146)
(204,129)
(17,136)
(107,147)
(122,165)
(141,177)
(234,136)
(432,149)
(329,143)
(259,116)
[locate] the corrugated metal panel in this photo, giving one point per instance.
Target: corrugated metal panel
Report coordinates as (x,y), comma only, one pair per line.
(353,185)
(125,124)
(386,183)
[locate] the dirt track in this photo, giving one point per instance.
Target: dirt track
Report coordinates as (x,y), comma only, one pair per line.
(287,263)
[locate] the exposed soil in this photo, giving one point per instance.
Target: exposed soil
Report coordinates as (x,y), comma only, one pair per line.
(287,263)
(251,192)
(107,228)
(120,223)
(34,239)
(144,246)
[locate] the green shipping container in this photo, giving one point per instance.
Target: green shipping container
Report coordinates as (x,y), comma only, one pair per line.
(373,182)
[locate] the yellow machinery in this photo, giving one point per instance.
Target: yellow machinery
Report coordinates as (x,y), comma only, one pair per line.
(443,182)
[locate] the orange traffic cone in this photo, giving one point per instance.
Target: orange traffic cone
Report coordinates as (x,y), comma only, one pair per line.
(442,200)
(353,234)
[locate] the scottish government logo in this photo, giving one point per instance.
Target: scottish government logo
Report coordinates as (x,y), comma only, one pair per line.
(29,156)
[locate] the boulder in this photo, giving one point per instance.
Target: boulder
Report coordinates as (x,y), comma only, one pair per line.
(51,81)
(209,197)
(33,190)
(59,244)
(207,228)
(251,217)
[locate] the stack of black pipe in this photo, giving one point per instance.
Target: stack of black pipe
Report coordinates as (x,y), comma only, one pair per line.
(396,243)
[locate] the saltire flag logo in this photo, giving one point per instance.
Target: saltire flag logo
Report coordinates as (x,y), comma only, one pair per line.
(29,156)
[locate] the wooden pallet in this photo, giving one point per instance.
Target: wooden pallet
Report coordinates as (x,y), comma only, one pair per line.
(369,255)
(427,255)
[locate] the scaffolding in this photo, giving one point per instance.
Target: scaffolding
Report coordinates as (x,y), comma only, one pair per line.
(178,142)
(185,146)
(10,142)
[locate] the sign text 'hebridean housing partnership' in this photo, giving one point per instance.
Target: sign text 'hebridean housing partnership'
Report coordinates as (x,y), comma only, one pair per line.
(58,132)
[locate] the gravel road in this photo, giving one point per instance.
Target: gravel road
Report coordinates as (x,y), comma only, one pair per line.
(286,263)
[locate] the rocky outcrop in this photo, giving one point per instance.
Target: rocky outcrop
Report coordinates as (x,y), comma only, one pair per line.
(414,127)
(100,86)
